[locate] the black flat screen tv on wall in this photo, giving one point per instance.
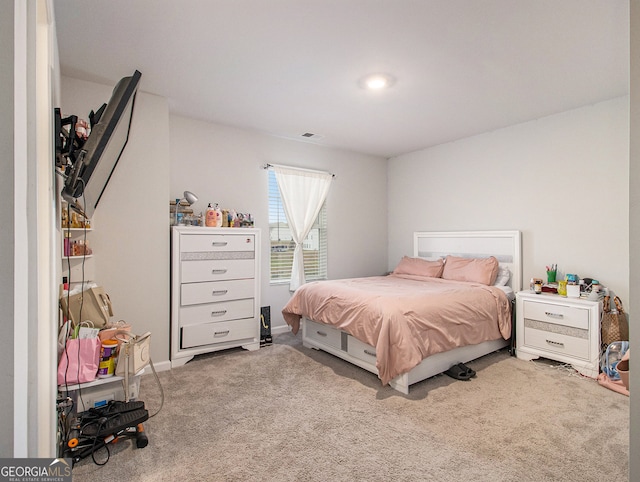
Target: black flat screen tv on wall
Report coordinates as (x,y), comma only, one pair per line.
(90,163)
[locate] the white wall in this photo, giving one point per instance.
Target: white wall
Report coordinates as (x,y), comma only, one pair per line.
(131,236)
(224,165)
(561,180)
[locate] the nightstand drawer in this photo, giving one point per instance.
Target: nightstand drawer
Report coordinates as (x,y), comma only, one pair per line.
(557,314)
(558,343)
(323,334)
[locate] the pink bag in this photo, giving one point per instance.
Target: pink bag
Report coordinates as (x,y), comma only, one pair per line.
(79,361)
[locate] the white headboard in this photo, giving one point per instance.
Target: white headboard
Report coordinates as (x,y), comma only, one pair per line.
(504,245)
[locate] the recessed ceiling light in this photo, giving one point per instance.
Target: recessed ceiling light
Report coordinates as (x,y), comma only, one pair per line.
(377,81)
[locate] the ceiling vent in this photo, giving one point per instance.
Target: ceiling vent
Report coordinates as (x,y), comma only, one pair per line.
(311,135)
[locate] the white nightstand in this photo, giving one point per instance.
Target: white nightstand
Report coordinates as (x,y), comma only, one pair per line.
(559,328)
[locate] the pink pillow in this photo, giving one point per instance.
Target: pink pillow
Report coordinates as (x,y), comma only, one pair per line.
(477,270)
(419,267)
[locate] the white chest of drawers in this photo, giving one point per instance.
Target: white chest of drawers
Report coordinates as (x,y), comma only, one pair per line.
(559,328)
(215,290)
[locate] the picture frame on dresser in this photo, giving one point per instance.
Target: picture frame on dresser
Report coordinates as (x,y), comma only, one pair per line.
(215,290)
(559,328)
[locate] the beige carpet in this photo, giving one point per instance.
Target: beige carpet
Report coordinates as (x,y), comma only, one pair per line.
(287,413)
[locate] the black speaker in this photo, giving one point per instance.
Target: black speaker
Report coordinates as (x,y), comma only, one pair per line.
(265,326)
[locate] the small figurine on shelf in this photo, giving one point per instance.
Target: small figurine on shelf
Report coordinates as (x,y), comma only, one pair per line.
(248,221)
(82,129)
(233,218)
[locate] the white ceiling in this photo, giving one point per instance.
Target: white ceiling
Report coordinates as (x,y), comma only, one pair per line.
(287,67)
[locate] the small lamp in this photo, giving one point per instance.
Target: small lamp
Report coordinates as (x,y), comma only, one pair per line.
(189,197)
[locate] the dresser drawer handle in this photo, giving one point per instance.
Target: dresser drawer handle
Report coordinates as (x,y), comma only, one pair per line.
(219,292)
(219,243)
(221,333)
(370,353)
(219,313)
(555,343)
(554,315)
(321,333)
(218,271)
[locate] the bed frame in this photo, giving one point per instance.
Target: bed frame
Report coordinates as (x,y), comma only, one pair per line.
(504,245)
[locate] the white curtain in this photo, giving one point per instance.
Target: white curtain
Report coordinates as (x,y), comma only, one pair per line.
(303,192)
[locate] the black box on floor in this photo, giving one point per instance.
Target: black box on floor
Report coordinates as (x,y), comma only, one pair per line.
(265,326)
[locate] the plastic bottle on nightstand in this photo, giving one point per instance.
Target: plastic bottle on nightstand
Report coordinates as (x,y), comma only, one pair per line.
(210,217)
(179,213)
(218,217)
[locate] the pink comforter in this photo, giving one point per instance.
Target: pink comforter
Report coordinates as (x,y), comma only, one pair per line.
(406,318)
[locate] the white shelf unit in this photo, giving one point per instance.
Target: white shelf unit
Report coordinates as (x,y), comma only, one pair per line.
(75,234)
(215,290)
(95,383)
(79,267)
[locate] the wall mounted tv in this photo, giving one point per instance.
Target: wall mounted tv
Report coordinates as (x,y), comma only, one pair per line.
(88,163)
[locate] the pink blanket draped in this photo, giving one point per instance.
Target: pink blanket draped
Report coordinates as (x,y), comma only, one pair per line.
(406,318)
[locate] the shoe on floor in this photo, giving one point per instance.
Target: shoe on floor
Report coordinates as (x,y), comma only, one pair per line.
(458,373)
(471,372)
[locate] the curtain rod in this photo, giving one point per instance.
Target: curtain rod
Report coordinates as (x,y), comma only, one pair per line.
(267,166)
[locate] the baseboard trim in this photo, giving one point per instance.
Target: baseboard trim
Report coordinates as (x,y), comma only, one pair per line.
(276,330)
(163,366)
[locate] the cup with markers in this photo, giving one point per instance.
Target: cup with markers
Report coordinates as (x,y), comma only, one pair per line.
(551,273)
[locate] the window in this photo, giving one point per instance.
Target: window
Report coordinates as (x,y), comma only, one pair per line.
(282,245)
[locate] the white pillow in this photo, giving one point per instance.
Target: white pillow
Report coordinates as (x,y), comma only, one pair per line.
(503,276)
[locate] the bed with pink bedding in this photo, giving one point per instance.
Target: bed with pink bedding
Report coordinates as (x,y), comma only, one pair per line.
(434,310)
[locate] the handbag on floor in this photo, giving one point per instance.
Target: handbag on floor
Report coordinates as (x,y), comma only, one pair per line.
(614,326)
